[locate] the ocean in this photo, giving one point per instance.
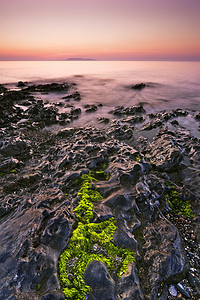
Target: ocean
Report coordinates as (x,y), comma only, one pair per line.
(170,84)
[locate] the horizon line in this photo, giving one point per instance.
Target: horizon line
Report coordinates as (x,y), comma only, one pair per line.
(95,60)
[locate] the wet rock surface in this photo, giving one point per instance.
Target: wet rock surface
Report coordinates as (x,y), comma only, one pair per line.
(152,192)
(97,276)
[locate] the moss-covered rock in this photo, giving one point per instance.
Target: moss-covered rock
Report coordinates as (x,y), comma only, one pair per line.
(90,242)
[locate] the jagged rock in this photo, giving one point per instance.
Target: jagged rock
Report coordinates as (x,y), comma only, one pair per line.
(134,119)
(53,234)
(28,179)
(75,111)
(153,124)
(165,152)
(25,181)
(65,162)
(38,199)
(37,113)
(129,111)
(26,103)
(108,188)
(75,96)
(124,239)
(97,277)
(9,165)
(52,87)
(126,180)
(163,251)
(27,264)
(96,162)
(128,286)
(10,97)
(120,132)
(174,123)
(136,172)
(131,177)
(60,104)
(118,110)
(17,148)
(102,212)
(103,120)
(134,110)
(21,84)
(180,112)
(143,190)
(64,117)
(3,89)
(138,86)
(197,116)
(69,179)
(162,117)
(67,132)
(90,108)
(117,201)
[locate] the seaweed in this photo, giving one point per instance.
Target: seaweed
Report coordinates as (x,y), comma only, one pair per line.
(177,205)
(89,242)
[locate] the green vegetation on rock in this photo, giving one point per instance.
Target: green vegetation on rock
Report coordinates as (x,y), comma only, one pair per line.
(38,287)
(178,205)
(90,241)
(7,173)
(137,158)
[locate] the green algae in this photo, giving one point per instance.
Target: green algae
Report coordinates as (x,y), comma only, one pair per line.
(38,287)
(179,206)
(90,241)
(7,173)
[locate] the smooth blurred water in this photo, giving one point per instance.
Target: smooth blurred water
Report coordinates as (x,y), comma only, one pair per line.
(172,84)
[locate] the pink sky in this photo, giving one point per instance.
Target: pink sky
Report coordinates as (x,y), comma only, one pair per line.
(100,29)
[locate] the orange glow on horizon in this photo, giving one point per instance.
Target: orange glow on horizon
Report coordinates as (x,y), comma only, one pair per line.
(101,54)
(132,29)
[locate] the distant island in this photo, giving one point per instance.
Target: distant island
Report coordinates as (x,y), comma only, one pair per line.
(80,59)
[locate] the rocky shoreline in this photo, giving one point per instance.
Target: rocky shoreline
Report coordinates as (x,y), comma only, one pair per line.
(152,192)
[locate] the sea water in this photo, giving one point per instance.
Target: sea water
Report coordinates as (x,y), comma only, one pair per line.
(170,84)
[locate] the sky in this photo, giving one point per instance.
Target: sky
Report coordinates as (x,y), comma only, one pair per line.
(100,29)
